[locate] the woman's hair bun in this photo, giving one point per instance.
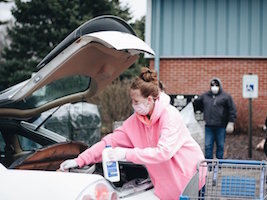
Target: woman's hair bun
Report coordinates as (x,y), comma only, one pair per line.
(148,75)
(147,83)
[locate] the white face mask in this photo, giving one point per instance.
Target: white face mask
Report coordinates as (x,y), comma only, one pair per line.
(141,108)
(215,89)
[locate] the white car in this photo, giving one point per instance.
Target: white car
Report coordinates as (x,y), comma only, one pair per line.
(85,62)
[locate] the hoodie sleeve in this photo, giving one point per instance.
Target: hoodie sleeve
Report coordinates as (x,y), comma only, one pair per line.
(198,103)
(173,135)
(94,153)
(118,138)
(91,155)
(231,110)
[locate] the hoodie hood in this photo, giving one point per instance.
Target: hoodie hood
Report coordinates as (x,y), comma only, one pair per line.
(160,105)
(217,80)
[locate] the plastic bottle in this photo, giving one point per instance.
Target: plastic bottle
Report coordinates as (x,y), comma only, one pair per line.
(110,168)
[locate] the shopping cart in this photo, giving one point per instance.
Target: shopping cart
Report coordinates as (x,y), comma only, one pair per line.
(227,179)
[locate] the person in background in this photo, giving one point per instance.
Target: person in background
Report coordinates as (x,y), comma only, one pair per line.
(154,136)
(262,145)
(264,128)
(219,116)
(265,125)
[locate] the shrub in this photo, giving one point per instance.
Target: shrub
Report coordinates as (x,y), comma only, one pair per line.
(114,103)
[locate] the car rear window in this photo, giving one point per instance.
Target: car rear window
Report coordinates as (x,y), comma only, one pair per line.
(52,91)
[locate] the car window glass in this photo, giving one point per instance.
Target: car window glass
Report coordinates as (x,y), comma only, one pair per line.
(27,144)
(79,121)
(2,143)
(54,90)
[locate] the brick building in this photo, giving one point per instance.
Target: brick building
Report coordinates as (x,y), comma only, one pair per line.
(197,40)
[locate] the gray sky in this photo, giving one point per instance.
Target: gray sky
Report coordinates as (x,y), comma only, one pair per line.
(5,13)
(137,8)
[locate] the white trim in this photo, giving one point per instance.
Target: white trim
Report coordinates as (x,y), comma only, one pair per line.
(212,57)
(148,25)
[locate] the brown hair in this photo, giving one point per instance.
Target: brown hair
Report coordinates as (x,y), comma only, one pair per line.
(147,82)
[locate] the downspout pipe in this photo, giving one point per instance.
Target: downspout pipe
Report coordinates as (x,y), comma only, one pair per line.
(157,36)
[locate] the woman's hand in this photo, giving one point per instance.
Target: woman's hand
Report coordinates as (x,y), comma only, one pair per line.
(68,164)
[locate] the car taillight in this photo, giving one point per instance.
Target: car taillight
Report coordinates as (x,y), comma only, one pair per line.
(99,191)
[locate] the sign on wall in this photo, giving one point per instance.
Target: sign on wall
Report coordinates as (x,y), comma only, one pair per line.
(250,86)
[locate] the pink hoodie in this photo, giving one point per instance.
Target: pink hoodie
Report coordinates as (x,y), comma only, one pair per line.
(163,144)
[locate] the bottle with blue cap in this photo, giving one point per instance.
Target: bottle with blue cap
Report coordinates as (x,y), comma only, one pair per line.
(110,168)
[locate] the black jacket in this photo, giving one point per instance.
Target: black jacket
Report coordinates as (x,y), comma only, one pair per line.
(218,109)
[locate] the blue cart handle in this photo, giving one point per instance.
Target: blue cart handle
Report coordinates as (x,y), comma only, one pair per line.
(230,161)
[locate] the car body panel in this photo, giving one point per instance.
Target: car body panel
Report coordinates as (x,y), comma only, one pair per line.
(52,185)
(45,185)
(146,195)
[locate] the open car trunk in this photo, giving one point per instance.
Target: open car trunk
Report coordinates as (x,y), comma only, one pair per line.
(134,177)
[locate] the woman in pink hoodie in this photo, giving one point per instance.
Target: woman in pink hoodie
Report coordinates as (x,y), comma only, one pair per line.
(154,136)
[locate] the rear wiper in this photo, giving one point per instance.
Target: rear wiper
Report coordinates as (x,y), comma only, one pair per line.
(47,118)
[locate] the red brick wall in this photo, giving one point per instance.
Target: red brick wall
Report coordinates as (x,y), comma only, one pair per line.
(192,76)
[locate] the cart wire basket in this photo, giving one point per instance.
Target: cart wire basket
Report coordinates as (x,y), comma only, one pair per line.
(227,179)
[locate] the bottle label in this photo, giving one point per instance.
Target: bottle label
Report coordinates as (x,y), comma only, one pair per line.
(112,169)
